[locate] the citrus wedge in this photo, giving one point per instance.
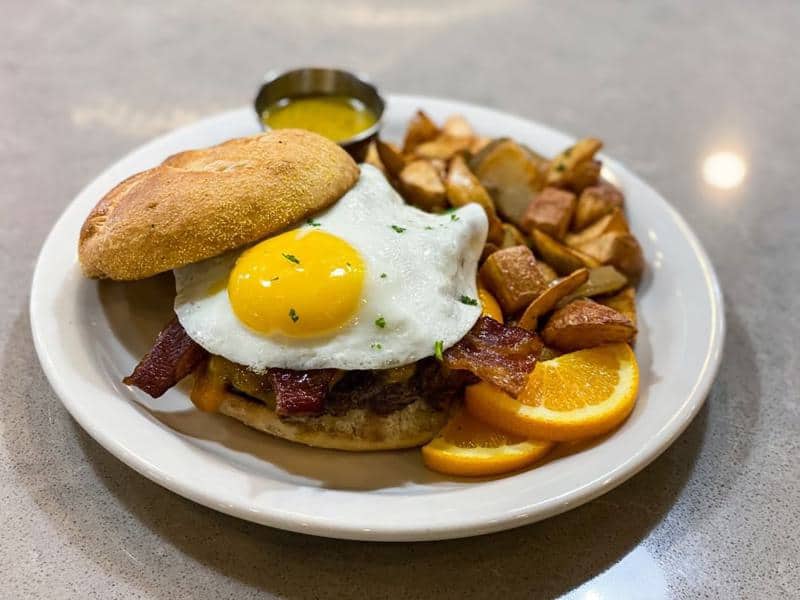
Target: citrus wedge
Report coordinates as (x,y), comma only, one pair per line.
(466,446)
(577,395)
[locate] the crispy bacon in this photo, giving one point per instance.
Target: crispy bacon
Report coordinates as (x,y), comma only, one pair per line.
(496,353)
(300,392)
(173,356)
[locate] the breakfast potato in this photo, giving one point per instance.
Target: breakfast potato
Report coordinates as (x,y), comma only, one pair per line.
(623,302)
(442,147)
(584,323)
(373,158)
(463,187)
(595,202)
(562,167)
(546,301)
(391,157)
(422,186)
(601,280)
(619,249)
(562,258)
(478,144)
(511,276)
(420,130)
(457,126)
(585,174)
(507,172)
(547,271)
(613,221)
(512,236)
(550,211)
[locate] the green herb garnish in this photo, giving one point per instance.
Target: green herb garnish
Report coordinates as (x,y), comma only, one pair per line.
(375,346)
(398,229)
(438,349)
(453,217)
(469,301)
(561,167)
(428,227)
(291,258)
(314,223)
(293,315)
(380,322)
(383,275)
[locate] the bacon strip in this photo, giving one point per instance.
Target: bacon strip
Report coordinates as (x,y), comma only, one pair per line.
(173,356)
(300,392)
(496,353)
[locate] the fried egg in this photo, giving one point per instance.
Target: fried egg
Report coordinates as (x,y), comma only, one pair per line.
(371,283)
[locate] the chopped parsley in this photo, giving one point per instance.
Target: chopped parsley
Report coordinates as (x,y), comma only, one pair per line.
(293,315)
(468,301)
(314,223)
(291,258)
(375,346)
(383,275)
(438,348)
(380,322)
(398,229)
(428,227)
(453,217)
(561,167)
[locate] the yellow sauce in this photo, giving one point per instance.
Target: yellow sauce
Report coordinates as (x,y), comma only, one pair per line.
(336,117)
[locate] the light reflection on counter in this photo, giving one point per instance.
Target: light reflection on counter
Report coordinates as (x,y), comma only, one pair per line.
(724,169)
(637,575)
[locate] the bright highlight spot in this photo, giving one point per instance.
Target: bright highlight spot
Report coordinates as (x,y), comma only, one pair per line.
(724,170)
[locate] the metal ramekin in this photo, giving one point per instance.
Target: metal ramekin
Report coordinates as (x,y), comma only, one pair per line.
(318,81)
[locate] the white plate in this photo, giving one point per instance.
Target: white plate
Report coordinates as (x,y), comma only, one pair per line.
(89,335)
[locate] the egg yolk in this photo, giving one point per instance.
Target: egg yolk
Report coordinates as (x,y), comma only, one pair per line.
(301,283)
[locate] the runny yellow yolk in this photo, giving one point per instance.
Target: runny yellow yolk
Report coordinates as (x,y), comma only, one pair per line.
(301,283)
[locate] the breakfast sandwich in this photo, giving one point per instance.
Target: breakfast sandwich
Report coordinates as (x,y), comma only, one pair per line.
(312,302)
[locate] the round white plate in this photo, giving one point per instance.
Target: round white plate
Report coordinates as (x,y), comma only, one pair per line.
(89,335)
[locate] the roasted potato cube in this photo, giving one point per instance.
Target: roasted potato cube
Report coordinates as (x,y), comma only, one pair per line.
(512,236)
(550,211)
(391,157)
(547,271)
(511,276)
(420,130)
(421,185)
(563,259)
(619,249)
(585,324)
(595,202)
(601,280)
(463,188)
(440,166)
(443,147)
(509,175)
(562,166)
(457,126)
(613,221)
(584,175)
(623,302)
(373,158)
(478,144)
(546,301)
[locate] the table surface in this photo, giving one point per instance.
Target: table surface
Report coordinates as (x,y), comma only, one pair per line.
(664,84)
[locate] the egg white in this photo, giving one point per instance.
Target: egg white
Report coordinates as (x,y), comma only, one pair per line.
(415,279)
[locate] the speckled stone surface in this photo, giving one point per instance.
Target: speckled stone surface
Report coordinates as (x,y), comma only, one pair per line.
(664,84)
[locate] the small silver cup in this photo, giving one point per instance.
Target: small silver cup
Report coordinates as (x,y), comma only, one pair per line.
(324,82)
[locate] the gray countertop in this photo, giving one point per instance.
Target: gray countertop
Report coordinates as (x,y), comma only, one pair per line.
(664,84)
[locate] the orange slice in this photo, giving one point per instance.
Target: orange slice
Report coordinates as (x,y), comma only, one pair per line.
(469,447)
(577,395)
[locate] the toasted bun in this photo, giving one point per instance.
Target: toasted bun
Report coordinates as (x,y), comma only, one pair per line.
(358,430)
(201,203)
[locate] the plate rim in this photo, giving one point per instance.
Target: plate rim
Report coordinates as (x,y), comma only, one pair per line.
(324,527)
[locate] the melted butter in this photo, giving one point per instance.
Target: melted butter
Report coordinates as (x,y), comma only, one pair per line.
(335,117)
